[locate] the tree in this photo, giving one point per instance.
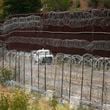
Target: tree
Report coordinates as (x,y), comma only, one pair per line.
(56,5)
(106,3)
(21,6)
(100,3)
(1,9)
(93,3)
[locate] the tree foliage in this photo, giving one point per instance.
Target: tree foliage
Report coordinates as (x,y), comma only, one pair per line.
(56,5)
(94,3)
(21,6)
(1,9)
(9,7)
(104,3)
(5,75)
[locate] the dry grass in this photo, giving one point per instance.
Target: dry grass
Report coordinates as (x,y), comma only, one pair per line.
(35,103)
(5,90)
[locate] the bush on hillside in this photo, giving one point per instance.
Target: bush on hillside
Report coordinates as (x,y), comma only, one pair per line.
(5,75)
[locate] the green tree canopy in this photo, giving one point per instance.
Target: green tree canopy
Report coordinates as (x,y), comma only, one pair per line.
(21,6)
(1,9)
(104,3)
(93,3)
(56,5)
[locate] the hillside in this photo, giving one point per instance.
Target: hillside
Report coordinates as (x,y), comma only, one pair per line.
(48,5)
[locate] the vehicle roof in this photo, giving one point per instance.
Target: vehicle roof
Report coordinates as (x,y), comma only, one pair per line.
(43,50)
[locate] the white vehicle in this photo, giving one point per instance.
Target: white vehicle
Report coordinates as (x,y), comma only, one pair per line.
(42,56)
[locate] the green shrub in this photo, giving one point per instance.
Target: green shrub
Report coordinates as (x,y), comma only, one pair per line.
(19,101)
(4,105)
(5,75)
(53,103)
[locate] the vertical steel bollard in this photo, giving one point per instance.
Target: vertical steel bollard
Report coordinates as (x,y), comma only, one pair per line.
(24,68)
(3,55)
(62,78)
(19,67)
(38,71)
(15,65)
(103,84)
(82,81)
(55,75)
(10,60)
(92,69)
(45,80)
(70,78)
(91,85)
(31,71)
